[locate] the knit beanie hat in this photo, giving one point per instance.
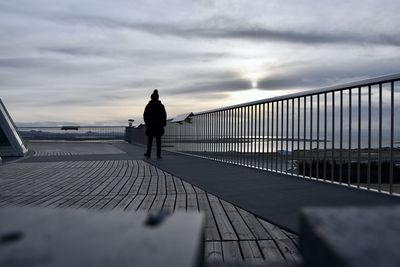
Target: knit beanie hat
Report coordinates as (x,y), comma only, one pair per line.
(154,95)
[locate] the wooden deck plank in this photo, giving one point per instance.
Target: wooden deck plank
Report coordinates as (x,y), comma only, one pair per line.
(179,186)
(188,188)
(121,183)
(251,252)
(53,203)
(224,225)
(87,202)
(50,191)
(231,251)
(292,237)
(198,190)
(147,202)
(180,203)
(160,172)
(169,203)
(270,251)
(83,191)
(289,250)
(254,225)
(240,226)
(110,186)
(210,228)
(130,202)
(114,202)
(127,186)
(158,203)
(141,169)
(192,204)
(102,202)
(134,190)
(12,186)
(91,190)
(274,231)
(213,252)
(153,185)
(170,184)
(33,185)
(133,168)
(161,187)
(144,187)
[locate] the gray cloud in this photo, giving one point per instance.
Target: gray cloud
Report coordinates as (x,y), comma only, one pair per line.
(311,77)
(293,76)
(207,87)
(61,58)
(242,31)
(223,28)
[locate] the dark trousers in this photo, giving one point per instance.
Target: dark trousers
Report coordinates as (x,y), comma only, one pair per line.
(150,144)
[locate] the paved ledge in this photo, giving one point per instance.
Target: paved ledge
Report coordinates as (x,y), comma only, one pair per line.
(351,237)
(275,197)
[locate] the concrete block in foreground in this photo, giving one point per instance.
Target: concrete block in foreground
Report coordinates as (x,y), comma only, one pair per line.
(351,237)
(66,237)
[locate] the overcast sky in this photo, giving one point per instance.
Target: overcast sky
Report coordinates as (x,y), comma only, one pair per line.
(99,61)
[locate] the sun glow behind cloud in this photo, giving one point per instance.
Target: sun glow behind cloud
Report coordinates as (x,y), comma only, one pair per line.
(99,61)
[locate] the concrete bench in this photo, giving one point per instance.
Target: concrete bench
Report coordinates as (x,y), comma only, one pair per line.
(67,237)
(351,237)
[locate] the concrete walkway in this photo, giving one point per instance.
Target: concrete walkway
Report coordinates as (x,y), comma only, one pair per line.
(277,198)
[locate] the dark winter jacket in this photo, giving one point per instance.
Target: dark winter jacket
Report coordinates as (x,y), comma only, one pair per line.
(155,118)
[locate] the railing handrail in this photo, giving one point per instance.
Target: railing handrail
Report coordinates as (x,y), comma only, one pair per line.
(355,84)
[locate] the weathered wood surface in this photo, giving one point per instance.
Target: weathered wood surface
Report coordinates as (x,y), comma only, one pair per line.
(231,233)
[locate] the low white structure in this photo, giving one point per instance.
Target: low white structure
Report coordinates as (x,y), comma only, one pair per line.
(11,143)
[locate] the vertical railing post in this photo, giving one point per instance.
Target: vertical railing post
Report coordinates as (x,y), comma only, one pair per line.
(263,136)
(369,139)
(333,138)
(325,132)
(281,137)
(259,138)
(268,134)
(341,137)
(350,137)
(304,136)
(311,136)
(318,130)
(359,139)
(287,137)
(292,142)
(277,136)
(380,139)
(298,136)
(391,137)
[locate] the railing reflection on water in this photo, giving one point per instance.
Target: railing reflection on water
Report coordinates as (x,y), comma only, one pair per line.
(342,134)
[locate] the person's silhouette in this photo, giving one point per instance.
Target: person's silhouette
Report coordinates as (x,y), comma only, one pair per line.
(155,118)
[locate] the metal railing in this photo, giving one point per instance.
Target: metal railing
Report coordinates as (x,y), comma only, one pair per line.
(344,134)
(73,133)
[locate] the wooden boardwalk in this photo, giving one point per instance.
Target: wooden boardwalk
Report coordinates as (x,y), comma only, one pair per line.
(231,233)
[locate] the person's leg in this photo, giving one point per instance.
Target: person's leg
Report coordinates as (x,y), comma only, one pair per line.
(149,145)
(158,140)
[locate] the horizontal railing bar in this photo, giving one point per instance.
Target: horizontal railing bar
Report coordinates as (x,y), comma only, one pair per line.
(355,84)
(51,127)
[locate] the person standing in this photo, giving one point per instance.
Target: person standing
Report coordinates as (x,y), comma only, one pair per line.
(155,118)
